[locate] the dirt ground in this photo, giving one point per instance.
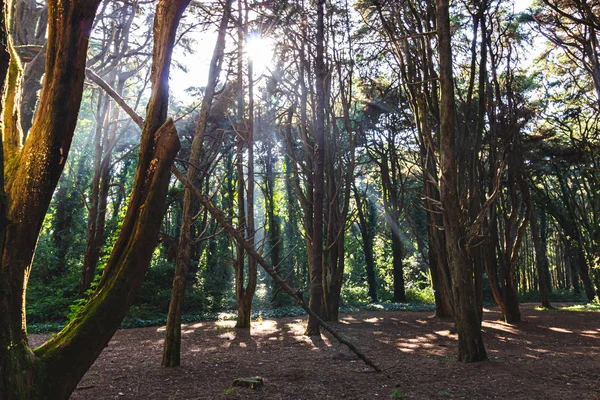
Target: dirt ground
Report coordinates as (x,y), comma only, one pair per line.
(551,355)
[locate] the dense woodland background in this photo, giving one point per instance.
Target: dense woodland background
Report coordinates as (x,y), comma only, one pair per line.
(371,151)
(551,113)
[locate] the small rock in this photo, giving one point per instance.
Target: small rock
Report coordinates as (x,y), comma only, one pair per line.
(250,383)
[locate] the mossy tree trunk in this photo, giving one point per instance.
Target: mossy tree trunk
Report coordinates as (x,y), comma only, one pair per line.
(53,370)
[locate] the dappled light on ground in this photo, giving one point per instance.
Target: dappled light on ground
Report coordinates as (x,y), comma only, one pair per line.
(535,359)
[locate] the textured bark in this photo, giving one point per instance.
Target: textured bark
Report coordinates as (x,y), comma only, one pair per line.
(172,345)
(468,323)
(316,275)
(54,370)
(438,262)
(12,136)
(30,184)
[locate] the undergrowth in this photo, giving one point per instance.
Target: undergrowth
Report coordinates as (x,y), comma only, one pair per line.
(139,319)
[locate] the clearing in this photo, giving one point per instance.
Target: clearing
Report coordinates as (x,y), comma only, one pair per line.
(551,355)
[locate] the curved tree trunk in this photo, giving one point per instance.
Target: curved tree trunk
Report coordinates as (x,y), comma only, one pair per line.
(54,370)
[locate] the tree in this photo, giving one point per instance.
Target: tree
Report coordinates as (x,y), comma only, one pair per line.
(54,369)
(404,31)
(367,221)
(467,318)
(171,353)
(316,271)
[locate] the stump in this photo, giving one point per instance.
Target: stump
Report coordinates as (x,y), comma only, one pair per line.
(250,383)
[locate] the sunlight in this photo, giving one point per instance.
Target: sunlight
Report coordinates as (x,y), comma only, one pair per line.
(259,50)
(560,330)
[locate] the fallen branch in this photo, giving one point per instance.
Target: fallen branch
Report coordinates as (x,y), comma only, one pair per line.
(139,121)
(296,294)
(222,220)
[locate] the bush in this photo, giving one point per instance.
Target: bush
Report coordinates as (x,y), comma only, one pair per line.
(416,295)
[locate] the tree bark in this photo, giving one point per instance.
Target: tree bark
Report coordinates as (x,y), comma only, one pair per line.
(468,323)
(172,345)
(316,275)
(54,369)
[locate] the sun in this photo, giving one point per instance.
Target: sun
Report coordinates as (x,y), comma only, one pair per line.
(259,50)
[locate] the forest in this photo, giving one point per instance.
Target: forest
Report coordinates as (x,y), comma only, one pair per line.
(339,196)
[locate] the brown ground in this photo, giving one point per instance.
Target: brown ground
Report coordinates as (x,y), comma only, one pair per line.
(551,355)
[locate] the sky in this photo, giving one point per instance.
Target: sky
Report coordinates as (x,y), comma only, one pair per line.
(521,5)
(196,64)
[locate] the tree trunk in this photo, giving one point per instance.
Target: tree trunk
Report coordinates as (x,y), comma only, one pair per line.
(245,291)
(392,212)
(438,262)
(98,200)
(273,225)
(316,275)
(366,224)
(398,268)
(32,82)
(541,260)
(55,368)
(172,344)
(12,136)
(468,324)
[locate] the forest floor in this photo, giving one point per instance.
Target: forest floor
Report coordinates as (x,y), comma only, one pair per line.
(550,355)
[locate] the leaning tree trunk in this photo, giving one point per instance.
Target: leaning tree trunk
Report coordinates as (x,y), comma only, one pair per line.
(172,345)
(468,323)
(54,369)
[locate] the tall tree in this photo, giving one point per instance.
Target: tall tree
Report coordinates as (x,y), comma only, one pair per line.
(54,369)
(316,272)
(467,317)
(197,164)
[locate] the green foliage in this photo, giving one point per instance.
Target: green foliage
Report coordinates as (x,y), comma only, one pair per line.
(418,295)
(396,394)
(594,307)
(557,295)
(138,318)
(355,294)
